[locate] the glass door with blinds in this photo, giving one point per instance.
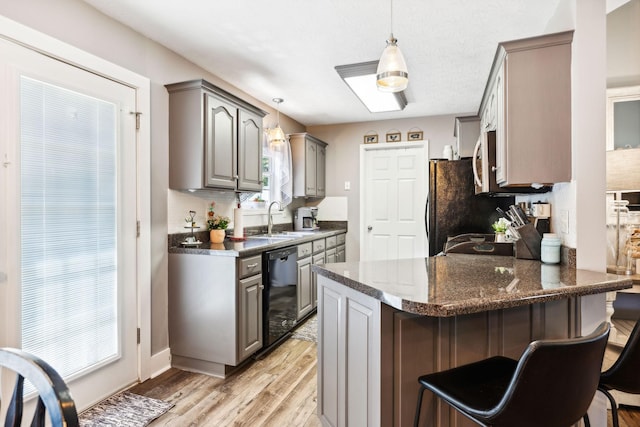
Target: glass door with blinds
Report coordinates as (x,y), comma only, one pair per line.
(70,197)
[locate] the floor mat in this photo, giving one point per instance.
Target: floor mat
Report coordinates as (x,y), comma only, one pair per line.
(308,331)
(124,410)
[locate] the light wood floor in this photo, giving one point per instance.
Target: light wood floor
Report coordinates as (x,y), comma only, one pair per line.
(279,390)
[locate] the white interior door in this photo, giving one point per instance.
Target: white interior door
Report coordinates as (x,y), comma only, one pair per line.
(68,286)
(394,192)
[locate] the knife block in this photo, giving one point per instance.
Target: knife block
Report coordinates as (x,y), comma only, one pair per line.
(528,245)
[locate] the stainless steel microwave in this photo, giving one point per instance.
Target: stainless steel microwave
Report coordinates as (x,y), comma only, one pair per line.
(484,169)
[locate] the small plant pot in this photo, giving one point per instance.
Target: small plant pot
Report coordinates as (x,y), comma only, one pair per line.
(500,238)
(216,236)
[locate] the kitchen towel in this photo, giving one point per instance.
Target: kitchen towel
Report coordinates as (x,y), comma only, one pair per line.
(238,227)
(281,185)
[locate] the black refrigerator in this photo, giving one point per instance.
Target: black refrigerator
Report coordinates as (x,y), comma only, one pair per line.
(453,208)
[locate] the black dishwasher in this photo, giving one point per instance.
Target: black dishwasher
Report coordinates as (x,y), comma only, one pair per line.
(279,298)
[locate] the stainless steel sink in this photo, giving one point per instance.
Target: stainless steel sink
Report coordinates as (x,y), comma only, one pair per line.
(300,233)
(282,235)
(272,237)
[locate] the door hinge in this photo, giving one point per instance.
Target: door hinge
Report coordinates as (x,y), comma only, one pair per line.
(137,119)
(137,228)
(138,336)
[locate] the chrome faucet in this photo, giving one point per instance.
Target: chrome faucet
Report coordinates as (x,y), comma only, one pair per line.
(270,223)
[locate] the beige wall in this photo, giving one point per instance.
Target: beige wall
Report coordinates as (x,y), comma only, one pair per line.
(78,24)
(343,157)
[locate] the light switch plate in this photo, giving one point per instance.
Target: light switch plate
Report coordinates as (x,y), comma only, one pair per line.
(347,185)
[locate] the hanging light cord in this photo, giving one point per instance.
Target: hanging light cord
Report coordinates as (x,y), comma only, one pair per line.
(391,15)
(278,101)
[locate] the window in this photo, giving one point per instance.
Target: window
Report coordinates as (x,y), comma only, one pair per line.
(68,227)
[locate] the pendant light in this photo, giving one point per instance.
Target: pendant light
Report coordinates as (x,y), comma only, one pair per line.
(392,74)
(276,135)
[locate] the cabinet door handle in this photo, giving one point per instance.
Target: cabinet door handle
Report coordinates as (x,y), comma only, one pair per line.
(494,169)
(261,287)
(252,265)
(476,151)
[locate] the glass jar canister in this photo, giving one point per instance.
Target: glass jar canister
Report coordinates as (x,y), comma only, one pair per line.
(632,249)
(550,249)
(617,235)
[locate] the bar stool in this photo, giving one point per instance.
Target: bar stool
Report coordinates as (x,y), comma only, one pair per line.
(624,374)
(53,395)
(552,384)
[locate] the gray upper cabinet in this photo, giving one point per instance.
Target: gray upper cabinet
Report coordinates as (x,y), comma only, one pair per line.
(215,139)
(308,155)
(249,143)
(220,146)
(527,101)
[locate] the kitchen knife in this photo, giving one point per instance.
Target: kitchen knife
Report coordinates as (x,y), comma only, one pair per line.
(522,214)
(508,215)
(516,216)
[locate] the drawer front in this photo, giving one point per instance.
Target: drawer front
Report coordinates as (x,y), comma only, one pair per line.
(250,266)
(331,242)
(341,238)
(318,245)
(304,250)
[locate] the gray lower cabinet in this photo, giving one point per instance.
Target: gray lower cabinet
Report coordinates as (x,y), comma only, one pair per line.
(331,255)
(318,259)
(215,311)
(335,249)
(215,139)
(250,316)
(305,300)
(349,360)
(341,250)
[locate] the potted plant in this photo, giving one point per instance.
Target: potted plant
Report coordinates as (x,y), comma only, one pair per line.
(217,224)
(500,227)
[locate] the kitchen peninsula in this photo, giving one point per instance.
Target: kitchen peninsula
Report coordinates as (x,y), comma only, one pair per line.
(384,323)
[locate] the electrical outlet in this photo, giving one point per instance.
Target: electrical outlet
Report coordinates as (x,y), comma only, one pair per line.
(347,185)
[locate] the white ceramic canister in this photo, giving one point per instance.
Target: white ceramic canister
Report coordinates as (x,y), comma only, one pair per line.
(550,248)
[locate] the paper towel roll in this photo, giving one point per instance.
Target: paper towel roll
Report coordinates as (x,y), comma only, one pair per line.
(238,228)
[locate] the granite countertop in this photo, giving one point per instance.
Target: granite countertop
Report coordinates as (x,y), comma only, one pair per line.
(252,245)
(462,284)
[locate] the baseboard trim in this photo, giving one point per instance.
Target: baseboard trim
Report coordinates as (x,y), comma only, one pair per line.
(160,362)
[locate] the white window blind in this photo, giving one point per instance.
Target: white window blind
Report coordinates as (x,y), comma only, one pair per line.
(68,227)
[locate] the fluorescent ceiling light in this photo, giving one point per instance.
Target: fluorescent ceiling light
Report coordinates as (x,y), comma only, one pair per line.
(361,79)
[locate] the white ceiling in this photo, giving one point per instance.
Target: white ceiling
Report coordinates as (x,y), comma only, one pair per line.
(289,48)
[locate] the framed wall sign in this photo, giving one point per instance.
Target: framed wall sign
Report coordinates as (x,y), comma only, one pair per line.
(393,137)
(371,139)
(415,135)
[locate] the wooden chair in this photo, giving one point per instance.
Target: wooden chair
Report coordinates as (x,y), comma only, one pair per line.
(552,384)
(53,394)
(624,374)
